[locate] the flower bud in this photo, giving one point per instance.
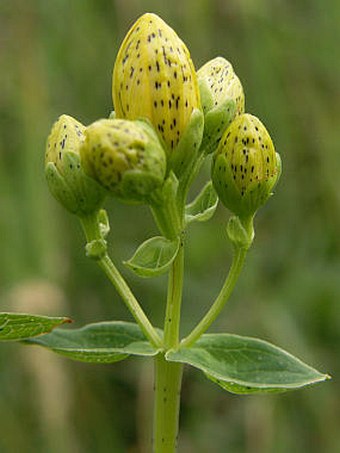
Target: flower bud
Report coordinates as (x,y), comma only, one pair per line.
(154,78)
(245,166)
(67,181)
(125,157)
(222,99)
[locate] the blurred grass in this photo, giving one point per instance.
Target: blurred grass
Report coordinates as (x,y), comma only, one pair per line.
(56,57)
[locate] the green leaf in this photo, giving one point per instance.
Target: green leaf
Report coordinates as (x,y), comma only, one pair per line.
(246,365)
(19,326)
(153,257)
(102,342)
(204,205)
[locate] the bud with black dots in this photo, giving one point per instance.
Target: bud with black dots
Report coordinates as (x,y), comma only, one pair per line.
(222,100)
(66,179)
(154,78)
(125,157)
(245,166)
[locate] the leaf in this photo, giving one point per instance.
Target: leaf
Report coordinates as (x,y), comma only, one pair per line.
(204,205)
(102,342)
(246,365)
(153,257)
(19,326)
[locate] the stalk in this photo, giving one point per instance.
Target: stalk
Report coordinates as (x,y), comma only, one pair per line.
(220,301)
(92,231)
(168,375)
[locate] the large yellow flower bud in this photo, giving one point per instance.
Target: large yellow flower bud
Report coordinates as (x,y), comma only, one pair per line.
(154,78)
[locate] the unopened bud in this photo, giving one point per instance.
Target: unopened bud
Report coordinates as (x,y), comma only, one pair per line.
(125,157)
(222,99)
(154,78)
(67,181)
(245,166)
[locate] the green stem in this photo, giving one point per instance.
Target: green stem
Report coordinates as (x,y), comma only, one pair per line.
(130,301)
(174,301)
(222,298)
(92,231)
(168,375)
(168,380)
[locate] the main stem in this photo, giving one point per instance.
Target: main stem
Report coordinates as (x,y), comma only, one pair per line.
(168,375)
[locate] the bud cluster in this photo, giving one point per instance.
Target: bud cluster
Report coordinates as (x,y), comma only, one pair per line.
(167,119)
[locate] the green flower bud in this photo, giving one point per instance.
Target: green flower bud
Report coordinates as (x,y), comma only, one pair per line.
(154,78)
(245,166)
(66,179)
(222,99)
(125,157)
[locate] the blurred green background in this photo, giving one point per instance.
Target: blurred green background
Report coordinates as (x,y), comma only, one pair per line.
(56,56)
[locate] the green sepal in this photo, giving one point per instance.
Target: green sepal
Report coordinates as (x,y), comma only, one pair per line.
(102,342)
(153,257)
(241,233)
(216,122)
(246,365)
(104,223)
(204,205)
(19,326)
(112,115)
(184,154)
(96,249)
(59,189)
(216,118)
(77,192)
(165,209)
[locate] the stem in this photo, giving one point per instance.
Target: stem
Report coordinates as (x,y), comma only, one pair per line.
(130,301)
(174,300)
(168,375)
(92,231)
(220,301)
(168,379)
